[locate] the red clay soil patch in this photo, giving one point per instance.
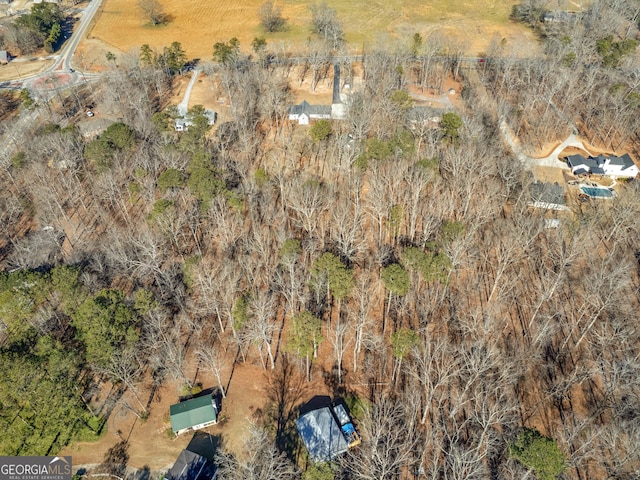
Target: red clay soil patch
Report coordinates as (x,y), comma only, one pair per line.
(91,55)
(432,97)
(52,82)
(573,151)
(246,394)
(601,150)
(179,86)
(204,93)
(548,149)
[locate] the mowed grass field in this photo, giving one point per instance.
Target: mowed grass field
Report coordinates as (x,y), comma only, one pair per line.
(198,24)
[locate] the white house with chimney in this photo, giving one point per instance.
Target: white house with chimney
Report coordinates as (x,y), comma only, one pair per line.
(304,113)
(611,165)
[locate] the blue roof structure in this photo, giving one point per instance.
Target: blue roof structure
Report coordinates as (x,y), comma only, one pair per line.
(321,434)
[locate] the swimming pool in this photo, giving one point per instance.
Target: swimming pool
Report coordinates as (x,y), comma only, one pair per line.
(597,192)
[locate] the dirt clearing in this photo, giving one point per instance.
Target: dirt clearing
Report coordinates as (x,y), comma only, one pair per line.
(150,444)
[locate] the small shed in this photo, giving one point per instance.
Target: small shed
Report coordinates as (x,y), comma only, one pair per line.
(211,116)
(423,115)
(193,414)
(4,57)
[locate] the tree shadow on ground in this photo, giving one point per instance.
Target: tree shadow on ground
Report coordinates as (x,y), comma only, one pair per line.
(205,444)
(286,387)
(332,381)
(109,405)
(115,460)
(143,473)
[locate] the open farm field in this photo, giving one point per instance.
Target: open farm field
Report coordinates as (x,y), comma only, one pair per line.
(198,24)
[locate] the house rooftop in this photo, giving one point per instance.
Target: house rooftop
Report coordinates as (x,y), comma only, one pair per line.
(578,160)
(623,161)
(336,84)
(547,195)
(211,116)
(602,165)
(321,434)
(191,466)
(193,412)
(422,113)
(306,107)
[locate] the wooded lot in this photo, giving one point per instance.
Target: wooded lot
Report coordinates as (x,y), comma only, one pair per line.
(472,339)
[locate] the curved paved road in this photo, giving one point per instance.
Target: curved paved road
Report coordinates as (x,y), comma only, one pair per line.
(551,160)
(70,47)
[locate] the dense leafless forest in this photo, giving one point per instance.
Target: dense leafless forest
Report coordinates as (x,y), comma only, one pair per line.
(406,251)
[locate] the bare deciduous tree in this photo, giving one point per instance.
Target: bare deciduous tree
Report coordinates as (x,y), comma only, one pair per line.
(271,17)
(326,24)
(390,443)
(153,11)
(262,326)
(262,460)
(212,359)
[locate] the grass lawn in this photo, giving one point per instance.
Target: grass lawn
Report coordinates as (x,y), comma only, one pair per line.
(198,24)
(13,70)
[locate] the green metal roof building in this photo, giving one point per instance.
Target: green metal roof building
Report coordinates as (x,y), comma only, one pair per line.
(193,414)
